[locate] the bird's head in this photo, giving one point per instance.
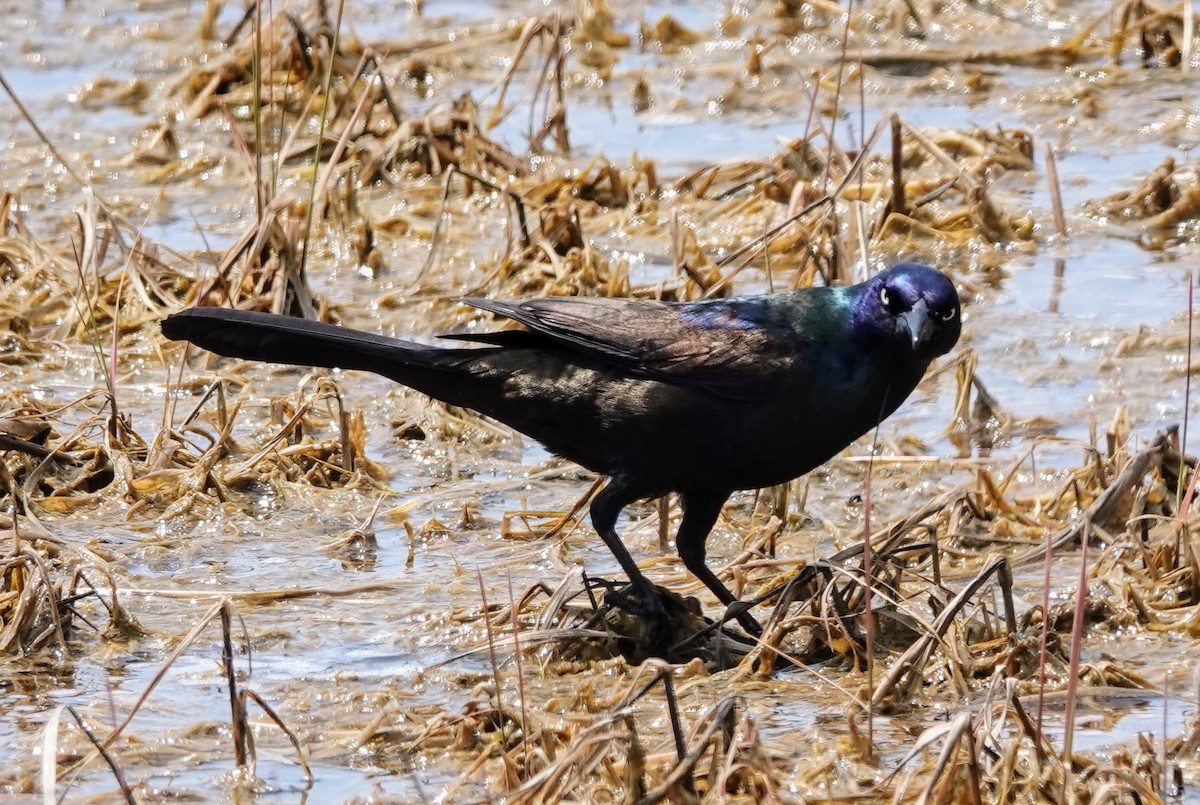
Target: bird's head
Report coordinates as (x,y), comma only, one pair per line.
(910,306)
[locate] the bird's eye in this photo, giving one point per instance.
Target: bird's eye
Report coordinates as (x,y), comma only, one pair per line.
(948,315)
(885,297)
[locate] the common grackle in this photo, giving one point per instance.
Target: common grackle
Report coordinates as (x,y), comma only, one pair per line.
(699,398)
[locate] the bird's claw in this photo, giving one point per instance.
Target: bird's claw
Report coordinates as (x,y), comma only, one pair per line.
(639,601)
(740,610)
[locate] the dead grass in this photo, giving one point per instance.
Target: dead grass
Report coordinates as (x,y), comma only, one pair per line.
(349,161)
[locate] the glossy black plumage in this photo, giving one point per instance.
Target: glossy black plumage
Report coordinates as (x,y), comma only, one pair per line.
(700,398)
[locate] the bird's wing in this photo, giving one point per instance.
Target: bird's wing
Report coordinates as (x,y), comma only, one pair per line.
(735,348)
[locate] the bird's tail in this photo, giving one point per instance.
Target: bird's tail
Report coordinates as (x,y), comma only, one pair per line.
(285,339)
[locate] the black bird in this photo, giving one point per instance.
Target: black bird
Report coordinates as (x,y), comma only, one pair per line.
(698,398)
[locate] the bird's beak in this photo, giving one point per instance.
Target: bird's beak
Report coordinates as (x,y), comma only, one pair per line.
(918,323)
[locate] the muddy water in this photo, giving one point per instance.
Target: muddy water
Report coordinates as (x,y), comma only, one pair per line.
(326,662)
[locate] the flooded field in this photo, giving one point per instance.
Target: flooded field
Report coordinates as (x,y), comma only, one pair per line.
(233,581)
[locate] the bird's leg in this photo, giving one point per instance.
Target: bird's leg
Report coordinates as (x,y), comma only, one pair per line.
(605,509)
(700,512)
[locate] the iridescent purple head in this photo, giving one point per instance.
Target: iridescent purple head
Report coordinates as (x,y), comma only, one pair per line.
(910,306)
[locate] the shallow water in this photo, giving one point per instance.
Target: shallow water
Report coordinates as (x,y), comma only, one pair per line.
(1046,349)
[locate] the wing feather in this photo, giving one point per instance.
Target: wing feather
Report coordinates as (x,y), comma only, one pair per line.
(733,347)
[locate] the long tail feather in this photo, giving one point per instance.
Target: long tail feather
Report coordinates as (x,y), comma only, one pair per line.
(285,339)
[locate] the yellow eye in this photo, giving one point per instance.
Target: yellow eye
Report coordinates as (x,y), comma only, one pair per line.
(885,297)
(948,315)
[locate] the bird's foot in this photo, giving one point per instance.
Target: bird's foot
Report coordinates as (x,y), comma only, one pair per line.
(639,600)
(651,619)
(740,611)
